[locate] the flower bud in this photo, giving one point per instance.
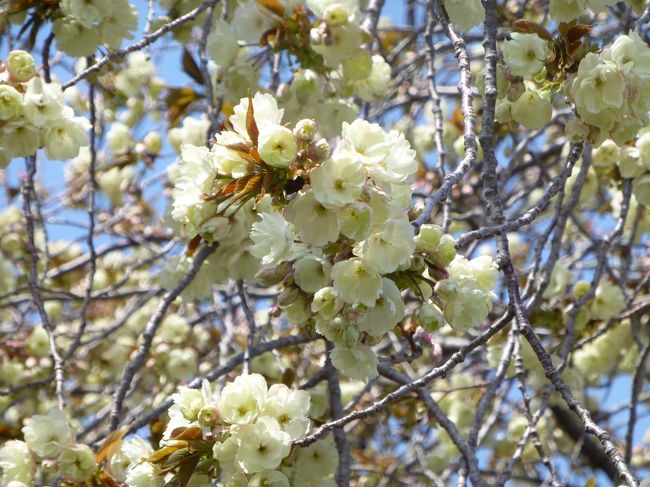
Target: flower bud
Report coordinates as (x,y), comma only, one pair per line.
(288,296)
(350,336)
(298,311)
(502,112)
(319,150)
(270,276)
(428,238)
(423,337)
(21,65)
(152,143)
(305,130)
(630,164)
(576,130)
(38,343)
(436,353)
(417,264)
(606,155)
(156,86)
(11,102)
(581,288)
(446,251)
(515,90)
(430,317)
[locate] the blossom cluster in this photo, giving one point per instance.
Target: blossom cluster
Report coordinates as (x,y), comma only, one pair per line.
(632,161)
(85,24)
(332,229)
(33,114)
(248,430)
(611,89)
(49,449)
(520,98)
(327,40)
(568,10)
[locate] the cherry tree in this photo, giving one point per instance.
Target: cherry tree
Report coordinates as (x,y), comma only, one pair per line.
(324,242)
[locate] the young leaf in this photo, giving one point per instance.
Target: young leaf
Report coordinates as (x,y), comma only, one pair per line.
(190,67)
(111,444)
(193,433)
(528,27)
(186,469)
(193,245)
(251,125)
(177,100)
(163,453)
(273,5)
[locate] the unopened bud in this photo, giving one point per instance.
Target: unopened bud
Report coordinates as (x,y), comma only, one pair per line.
(430,317)
(305,130)
(156,85)
(21,65)
(446,251)
(288,296)
(576,130)
(319,150)
(270,276)
(581,288)
(152,143)
(436,353)
(350,336)
(423,337)
(515,90)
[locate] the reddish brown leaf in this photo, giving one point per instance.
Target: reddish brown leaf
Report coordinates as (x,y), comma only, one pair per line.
(230,188)
(267,182)
(193,245)
(270,37)
(273,5)
(528,27)
(254,184)
(239,147)
(251,125)
(186,469)
(255,153)
(190,67)
(288,377)
(577,32)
